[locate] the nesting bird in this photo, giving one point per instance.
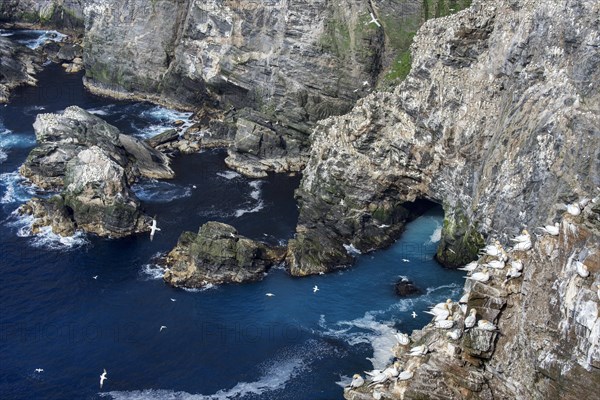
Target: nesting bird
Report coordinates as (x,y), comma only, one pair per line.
(470,267)
(581,269)
(446,324)
(516,264)
(495,264)
(552,230)
(486,325)
(523,237)
(471,319)
(493,250)
(455,334)
(513,273)
(441,311)
(357,381)
(403,338)
(405,375)
(574,209)
(522,246)
(419,350)
(482,276)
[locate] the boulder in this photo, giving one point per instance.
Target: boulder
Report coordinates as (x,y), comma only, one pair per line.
(18,65)
(218,254)
(167,136)
(404,287)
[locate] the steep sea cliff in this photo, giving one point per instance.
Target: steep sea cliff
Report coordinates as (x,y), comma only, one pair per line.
(498,121)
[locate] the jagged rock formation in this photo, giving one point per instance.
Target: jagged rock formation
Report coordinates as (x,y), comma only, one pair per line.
(498,121)
(65,14)
(218,254)
(547,341)
(18,66)
(93,165)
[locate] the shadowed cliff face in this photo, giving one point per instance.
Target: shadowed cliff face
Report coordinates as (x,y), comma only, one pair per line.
(64,14)
(498,121)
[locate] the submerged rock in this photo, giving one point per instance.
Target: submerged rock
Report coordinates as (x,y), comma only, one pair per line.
(218,254)
(93,165)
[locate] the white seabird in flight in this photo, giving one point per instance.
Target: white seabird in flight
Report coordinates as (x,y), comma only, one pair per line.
(315,289)
(38,370)
(405,260)
(414,314)
(162,327)
(374,20)
(270,294)
(103,378)
(153,228)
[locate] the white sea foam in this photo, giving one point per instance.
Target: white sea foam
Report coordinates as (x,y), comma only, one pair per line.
(3,156)
(45,238)
(368,330)
(160,119)
(204,288)
(152,272)
(255,194)
(159,191)
(276,374)
(43,37)
(13,188)
(5,33)
(229,174)
(344,381)
(350,249)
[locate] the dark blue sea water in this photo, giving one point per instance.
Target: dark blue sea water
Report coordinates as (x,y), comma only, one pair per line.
(228,342)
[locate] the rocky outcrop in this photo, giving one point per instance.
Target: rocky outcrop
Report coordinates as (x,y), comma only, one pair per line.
(64,14)
(218,254)
(92,164)
(405,287)
(497,122)
(545,338)
(18,66)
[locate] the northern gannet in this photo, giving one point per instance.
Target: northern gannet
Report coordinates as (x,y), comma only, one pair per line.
(405,375)
(153,228)
(103,378)
(414,314)
(517,264)
(523,237)
(374,20)
(492,249)
(471,319)
(269,294)
(419,350)
(486,325)
(574,209)
(357,381)
(582,269)
(513,273)
(482,276)
(173,300)
(552,230)
(522,246)
(315,289)
(162,327)
(470,267)
(446,324)
(495,264)
(455,334)
(464,299)
(403,338)
(95,277)
(38,370)
(374,372)
(405,260)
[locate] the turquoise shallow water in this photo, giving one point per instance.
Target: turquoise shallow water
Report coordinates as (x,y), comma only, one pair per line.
(229,342)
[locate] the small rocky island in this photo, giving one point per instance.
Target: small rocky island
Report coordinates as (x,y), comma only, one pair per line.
(218,254)
(92,165)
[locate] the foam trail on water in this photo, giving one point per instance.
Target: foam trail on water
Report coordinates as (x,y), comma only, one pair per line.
(161,119)
(5,33)
(160,192)
(228,175)
(275,376)
(255,194)
(43,37)
(152,270)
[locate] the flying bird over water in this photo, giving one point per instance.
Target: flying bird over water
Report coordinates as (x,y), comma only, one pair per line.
(38,370)
(315,289)
(153,228)
(270,294)
(103,378)
(414,314)
(161,328)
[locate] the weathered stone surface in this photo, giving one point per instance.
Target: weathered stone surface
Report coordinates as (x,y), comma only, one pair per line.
(92,164)
(218,254)
(64,14)
(18,66)
(167,136)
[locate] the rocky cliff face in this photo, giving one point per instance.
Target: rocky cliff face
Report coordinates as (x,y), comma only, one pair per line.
(64,14)
(498,121)
(18,66)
